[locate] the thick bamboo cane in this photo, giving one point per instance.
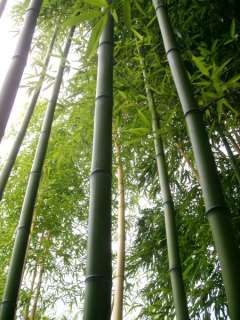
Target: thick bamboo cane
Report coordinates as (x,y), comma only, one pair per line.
(14,74)
(6,171)
(9,303)
(216,211)
(99,269)
(175,269)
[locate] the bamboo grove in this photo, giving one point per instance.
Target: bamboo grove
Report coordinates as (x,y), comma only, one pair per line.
(129,209)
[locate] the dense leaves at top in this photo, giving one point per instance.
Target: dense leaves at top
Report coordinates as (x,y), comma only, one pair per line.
(208,37)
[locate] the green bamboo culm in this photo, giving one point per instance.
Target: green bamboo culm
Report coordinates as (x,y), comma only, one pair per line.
(216,210)
(14,74)
(99,269)
(2,6)
(6,171)
(9,302)
(175,269)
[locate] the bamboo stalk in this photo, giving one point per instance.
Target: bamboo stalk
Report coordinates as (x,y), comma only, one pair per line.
(9,303)
(38,288)
(6,171)
(175,269)
(99,269)
(14,74)
(31,291)
(118,296)
(216,210)
(2,6)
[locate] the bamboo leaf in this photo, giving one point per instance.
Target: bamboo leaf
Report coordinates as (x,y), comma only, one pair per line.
(233,28)
(200,65)
(98,3)
(95,35)
(85,16)
(126,7)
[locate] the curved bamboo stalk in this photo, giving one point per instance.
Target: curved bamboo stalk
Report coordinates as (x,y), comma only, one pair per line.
(117,313)
(99,269)
(216,210)
(2,6)
(175,269)
(14,74)
(9,303)
(6,171)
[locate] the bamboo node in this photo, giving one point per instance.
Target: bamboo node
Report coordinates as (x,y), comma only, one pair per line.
(168,203)
(160,6)
(104,96)
(197,110)
(211,209)
(105,42)
(175,268)
(93,277)
(98,170)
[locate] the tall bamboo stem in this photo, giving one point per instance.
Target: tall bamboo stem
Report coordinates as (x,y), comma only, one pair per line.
(6,171)
(9,303)
(2,6)
(99,269)
(14,74)
(38,288)
(216,211)
(175,269)
(119,289)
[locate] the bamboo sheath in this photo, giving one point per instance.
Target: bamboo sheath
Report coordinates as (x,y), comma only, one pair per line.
(99,269)
(9,303)
(2,6)
(14,74)
(6,171)
(117,313)
(178,289)
(216,210)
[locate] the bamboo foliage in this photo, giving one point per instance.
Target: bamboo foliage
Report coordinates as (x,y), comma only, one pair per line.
(117,313)
(216,211)
(8,306)
(6,171)
(99,270)
(14,74)
(229,152)
(175,269)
